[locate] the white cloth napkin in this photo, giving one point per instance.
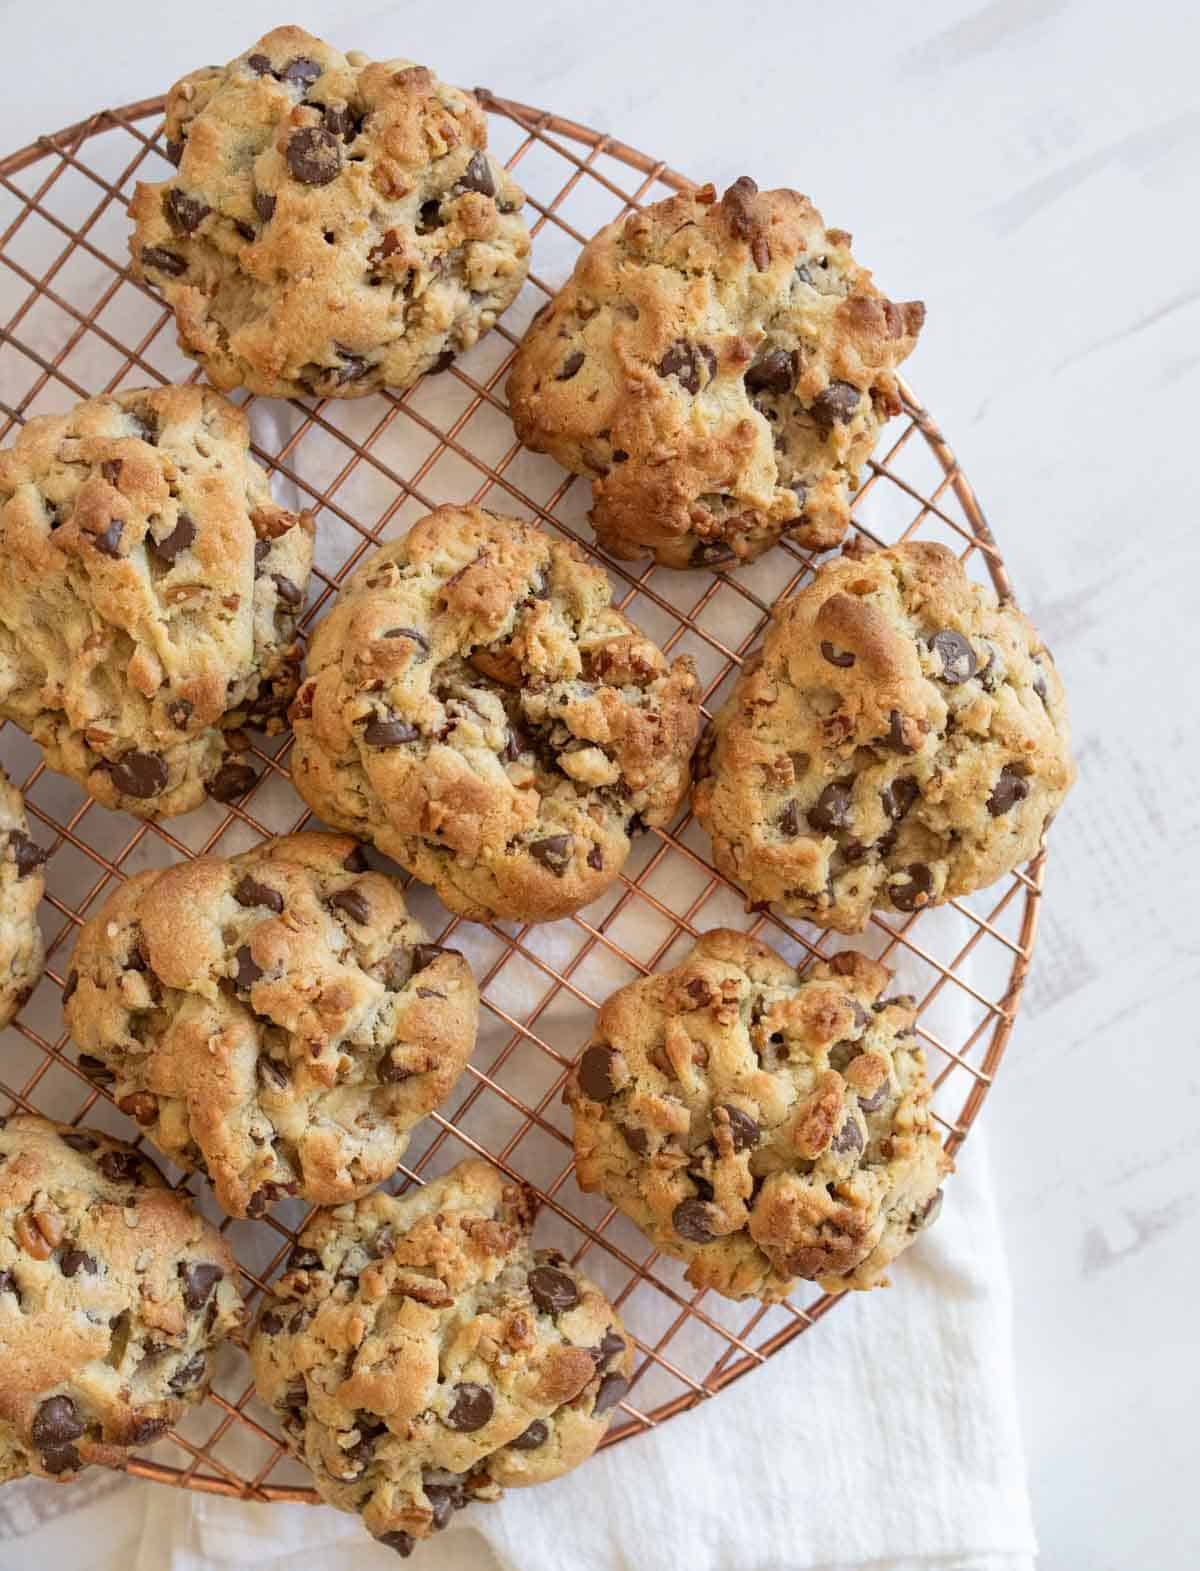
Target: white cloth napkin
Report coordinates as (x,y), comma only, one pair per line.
(886,1438)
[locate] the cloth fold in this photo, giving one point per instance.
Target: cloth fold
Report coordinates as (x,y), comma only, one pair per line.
(886,1439)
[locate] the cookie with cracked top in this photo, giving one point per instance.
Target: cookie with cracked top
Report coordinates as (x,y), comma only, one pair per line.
(113,1293)
(476,707)
(150,597)
(420,1354)
(276,1020)
(21,889)
(760,1124)
(336,226)
(900,740)
(719,371)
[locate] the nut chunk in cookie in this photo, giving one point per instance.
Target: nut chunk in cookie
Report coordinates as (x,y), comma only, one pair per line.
(760,1124)
(113,1292)
(420,1355)
(150,595)
(337,225)
(476,707)
(900,740)
(720,371)
(276,1020)
(21,887)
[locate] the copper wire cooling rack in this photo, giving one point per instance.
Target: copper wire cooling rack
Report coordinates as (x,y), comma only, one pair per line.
(75,324)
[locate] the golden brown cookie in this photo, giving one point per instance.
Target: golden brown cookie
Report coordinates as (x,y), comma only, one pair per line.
(21,888)
(760,1124)
(113,1292)
(150,596)
(276,1020)
(901,739)
(719,370)
(336,226)
(421,1355)
(476,707)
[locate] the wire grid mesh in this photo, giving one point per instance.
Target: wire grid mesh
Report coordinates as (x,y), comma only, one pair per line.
(76,324)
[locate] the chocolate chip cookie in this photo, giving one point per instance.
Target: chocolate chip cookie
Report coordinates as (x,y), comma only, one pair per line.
(336,226)
(719,370)
(420,1355)
(276,1020)
(21,887)
(760,1124)
(149,598)
(901,739)
(113,1291)
(476,707)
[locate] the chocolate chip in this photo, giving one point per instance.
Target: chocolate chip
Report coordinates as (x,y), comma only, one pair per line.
(425,954)
(27,854)
(180,539)
(417,638)
(554,852)
(553,1290)
(356,906)
(843,658)
(247,972)
(836,405)
(612,1389)
(848,1138)
(402,1543)
(108,543)
(339,121)
(259,64)
(199,1280)
(271,1324)
(249,892)
(571,365)
(800,491)
(636,1139)
(274,1076)
(1009,789)
(186,212)
(744,1130)
(872,1103)
(429,216)
(445,1499)
(928,1214)
(690,1219)
(119,1167)
(8,1283)
(138,774)
(477,177)
(314,156)
(163,261)
(775,372)
(914,891)
(231,781)
(56,1422)
(78,1141)
(789,820)
(264,205)
(595,1073)
(76,1260)
(143,1431)
(111,470)
(174,151)
(472,1407)
(290,593)
(899,796)
(61,1459)
(831,811)
(179,712)
(1039,681)
(302,1259)
(896,739)
(683,360)
(189,1374)
(262,550)
(245,230)
(300,70)
(530,1439)
(356,861)
(389,733)
(706,553)
(595,859)
(957,657)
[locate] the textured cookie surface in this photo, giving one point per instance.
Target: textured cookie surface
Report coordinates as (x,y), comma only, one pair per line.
(113,1290)
(901,739)
(719,370)
(149,597)
(476,707)
(21,886)
(761,1125)
(420,1355)
(336,224)
(276,1020)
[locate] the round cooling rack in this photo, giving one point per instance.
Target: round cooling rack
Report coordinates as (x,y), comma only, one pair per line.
(74,325)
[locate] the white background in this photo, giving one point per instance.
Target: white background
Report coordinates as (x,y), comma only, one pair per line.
(1029,168)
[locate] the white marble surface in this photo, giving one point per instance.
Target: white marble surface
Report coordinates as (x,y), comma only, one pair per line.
(1023,165)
